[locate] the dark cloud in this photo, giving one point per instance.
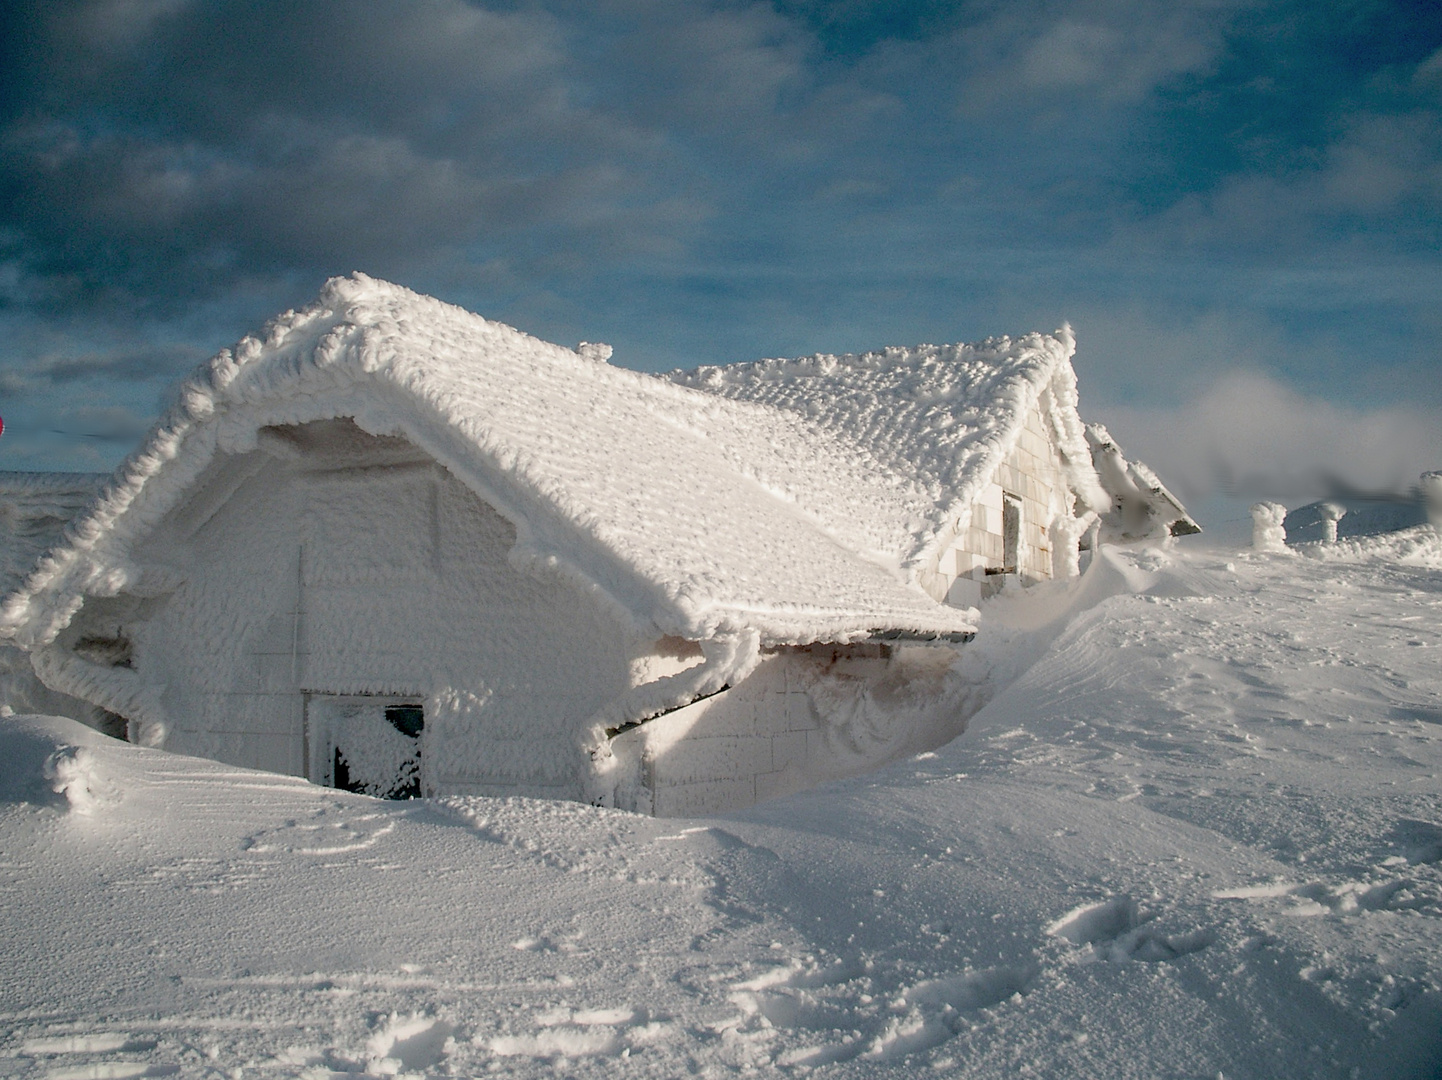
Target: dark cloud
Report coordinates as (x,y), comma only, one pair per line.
(1198,185)
(151,364)
(157,152)
(168,149)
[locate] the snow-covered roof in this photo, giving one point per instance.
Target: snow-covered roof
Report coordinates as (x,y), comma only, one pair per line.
(931,423)
(700,515)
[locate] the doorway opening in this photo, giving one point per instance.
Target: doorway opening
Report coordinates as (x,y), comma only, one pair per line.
(367,744)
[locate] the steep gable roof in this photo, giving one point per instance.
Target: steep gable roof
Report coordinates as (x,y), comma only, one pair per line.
(699,516)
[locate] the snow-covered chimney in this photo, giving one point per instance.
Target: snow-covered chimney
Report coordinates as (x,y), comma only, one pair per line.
(1331,514)
(1267,531)
(595,350)
(1431,485)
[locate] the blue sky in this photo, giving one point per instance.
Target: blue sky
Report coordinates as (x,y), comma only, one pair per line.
(1237,205)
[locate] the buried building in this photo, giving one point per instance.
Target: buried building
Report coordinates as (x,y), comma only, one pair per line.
(396,548)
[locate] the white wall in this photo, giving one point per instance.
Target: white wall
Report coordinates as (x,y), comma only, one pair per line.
(359,566)
(365,568)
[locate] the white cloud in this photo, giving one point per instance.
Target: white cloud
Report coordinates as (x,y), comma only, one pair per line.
(1251,436)
(1111,51)
(1383,160)
(1381,163)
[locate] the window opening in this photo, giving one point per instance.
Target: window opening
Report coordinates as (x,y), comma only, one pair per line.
(409,720)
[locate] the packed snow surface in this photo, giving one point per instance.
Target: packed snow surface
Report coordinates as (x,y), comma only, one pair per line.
(1197,832)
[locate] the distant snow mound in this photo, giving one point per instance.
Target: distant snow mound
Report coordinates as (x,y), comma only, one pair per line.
(34,508)
(1420,545)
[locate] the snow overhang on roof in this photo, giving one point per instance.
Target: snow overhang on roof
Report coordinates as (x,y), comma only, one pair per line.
(700,517)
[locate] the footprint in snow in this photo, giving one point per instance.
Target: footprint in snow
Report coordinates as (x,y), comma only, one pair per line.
(92,1044)
(935,1007)
(1420,842)
(410,1044)
(111,1070)
(328,831)
(574,1033)
(1116,930)
(562,943)
(838,998)
(1318,898)
(95,1042)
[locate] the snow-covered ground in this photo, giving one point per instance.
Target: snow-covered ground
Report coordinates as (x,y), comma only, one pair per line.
(1199,833)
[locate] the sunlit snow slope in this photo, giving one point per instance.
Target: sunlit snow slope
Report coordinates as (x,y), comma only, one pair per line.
(1200,835)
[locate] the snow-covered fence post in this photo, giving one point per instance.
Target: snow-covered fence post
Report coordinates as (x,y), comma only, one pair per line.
(1331,514)
(1431,485)
(1267,531)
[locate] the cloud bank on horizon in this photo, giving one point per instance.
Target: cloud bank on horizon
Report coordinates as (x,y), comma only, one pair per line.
(1237,203)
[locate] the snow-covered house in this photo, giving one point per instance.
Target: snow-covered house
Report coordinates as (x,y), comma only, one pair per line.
(394,547)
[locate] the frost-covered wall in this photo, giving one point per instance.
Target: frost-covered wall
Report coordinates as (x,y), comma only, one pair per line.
(298,589)
(331,562)
(729,751)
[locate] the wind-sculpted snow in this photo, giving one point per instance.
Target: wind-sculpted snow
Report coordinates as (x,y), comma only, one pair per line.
(1197,831)
(696,516)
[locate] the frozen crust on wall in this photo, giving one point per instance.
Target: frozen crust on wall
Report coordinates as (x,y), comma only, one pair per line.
(698,517)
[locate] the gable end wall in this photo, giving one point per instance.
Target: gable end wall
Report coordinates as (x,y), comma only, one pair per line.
(387,580)
(1032,471)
